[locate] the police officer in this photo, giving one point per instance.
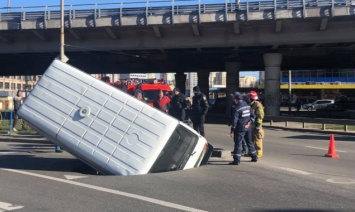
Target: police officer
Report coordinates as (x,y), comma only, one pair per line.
(257,130)
(199,110)
(240,122)
(177,105)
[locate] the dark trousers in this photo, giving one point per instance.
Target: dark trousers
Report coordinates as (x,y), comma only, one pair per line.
(248,138)
(238,141)
(178,114)
(198,124)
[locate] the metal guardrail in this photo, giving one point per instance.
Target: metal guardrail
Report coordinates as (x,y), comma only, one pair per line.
(156,7)
(304,120)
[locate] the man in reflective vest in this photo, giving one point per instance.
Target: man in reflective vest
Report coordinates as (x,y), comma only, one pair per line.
(257,129)
(240,122)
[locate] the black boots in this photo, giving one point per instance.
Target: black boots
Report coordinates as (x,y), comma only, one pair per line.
(234,163)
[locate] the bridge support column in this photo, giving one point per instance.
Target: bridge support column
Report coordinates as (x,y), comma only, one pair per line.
(203,82)
(180,82)
(232,69)
(272,62)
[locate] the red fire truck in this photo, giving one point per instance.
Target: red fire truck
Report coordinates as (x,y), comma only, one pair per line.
(149,87)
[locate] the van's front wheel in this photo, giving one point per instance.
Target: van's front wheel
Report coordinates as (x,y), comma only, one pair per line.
(310,108)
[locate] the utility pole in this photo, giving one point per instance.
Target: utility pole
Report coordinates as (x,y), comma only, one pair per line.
(62,56)
(8,5)
(289,90)
(27,78)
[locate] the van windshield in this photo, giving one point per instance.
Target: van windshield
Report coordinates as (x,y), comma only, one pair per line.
(176,152)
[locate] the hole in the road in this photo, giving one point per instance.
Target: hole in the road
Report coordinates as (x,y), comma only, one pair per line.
(85,169)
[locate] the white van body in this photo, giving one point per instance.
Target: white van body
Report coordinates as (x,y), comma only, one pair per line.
(108,129)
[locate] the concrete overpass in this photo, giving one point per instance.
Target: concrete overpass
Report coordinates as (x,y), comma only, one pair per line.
(149,37)
(307,33)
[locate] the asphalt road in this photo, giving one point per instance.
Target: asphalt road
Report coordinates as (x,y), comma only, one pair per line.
(293,175)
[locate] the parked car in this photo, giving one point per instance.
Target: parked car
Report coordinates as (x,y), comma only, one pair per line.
(318,104)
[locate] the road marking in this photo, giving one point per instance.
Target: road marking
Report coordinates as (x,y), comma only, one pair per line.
(9,207)
(294,170)
(341,181)
(73,177)
(322,148)
(107,190)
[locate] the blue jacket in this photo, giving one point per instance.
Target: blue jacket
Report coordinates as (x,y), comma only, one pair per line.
(241,114)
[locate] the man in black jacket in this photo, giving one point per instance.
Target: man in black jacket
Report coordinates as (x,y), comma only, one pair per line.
(199,110)
(178,105)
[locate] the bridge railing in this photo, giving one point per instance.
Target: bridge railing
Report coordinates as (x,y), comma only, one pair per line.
(304,120)
(154,7)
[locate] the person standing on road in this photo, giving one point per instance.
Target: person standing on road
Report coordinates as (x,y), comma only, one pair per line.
(178,105)
(240,123)
(18,101)
(162,102)
(139,95)
(232,111)
(199,110)
(257,129)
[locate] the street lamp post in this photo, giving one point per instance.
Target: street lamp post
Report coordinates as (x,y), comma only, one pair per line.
(8,5)
(27,78)
(62,56)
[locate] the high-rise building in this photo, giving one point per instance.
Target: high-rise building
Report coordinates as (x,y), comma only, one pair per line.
(218,79)
(247,82)
(192,81)
(261,77)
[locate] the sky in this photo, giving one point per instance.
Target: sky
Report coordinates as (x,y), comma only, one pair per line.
(23,3)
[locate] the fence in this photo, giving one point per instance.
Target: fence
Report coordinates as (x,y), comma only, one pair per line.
(155,7)
(303,120)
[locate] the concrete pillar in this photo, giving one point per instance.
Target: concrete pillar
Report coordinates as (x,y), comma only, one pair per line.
(232,69)
(272,62)
(180,82)
(203,82)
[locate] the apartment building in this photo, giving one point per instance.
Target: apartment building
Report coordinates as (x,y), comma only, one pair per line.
(13,83)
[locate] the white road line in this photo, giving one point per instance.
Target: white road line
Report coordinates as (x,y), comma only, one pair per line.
(294,170)
(322,148)
(107,190)
(341,181)
(73,177)
(9,207)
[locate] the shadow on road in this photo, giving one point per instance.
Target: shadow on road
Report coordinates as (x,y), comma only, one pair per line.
(24,140)
(30,162)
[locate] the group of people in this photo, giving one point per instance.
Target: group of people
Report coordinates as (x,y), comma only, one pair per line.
(181,108)
(246,127)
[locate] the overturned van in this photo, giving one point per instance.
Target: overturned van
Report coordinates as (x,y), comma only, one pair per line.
(108,129)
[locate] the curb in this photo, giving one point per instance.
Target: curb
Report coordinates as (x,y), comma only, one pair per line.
(311,130)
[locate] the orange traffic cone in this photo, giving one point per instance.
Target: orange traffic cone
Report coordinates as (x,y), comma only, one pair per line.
(332,152)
